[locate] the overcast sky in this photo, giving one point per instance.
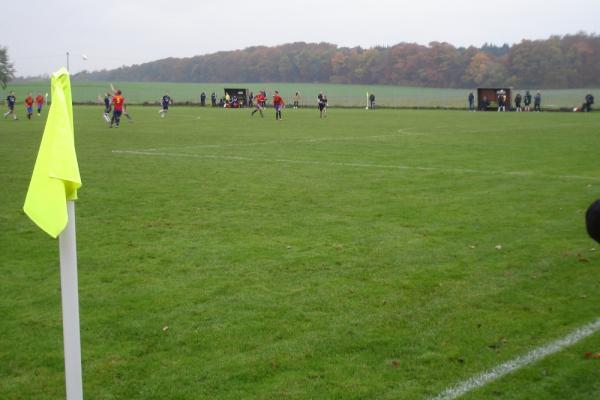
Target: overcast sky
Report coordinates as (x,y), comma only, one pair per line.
(111,33)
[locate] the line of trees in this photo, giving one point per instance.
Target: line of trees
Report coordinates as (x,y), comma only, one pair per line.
(571,61)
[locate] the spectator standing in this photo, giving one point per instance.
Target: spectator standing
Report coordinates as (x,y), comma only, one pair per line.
(471,99)
(537,102)
(518,100)
(202,99)
(589,100)
(527,101)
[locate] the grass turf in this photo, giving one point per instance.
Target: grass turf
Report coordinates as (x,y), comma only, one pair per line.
(224,256)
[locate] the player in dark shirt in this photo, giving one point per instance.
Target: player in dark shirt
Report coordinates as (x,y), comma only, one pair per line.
(166,101)
(10,102)
(322,104)
(501,101)
(107,107)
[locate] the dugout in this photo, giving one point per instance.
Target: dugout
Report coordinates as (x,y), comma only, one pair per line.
(241,94)
(491,94)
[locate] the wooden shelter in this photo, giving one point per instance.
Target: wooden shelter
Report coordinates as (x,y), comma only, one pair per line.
(487,98)
(241,94)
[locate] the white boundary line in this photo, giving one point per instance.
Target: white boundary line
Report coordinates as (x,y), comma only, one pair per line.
(353,164)
(401,133)
(508,367)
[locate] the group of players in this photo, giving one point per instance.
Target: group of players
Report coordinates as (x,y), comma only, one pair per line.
(11,101)
(260,101)
(115,103)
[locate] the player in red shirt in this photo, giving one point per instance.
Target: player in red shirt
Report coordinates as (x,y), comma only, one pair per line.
(29,105)
(39,102)
(259,101)
(123,110)
(118,101)
(278,104)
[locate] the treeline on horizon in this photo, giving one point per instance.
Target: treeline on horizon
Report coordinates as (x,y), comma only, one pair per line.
(571,61)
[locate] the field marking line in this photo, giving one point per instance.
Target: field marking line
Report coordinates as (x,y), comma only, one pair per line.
(508,367)
(504,128)
(401,132)
(352,164)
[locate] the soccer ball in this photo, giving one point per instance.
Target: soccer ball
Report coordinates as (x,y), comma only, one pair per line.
(575,109)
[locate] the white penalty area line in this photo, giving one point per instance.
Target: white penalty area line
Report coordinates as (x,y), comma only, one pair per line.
(351,164)
(508,367)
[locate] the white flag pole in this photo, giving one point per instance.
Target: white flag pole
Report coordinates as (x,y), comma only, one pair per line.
(70,307)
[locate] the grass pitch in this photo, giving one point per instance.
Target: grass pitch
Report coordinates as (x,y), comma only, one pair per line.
(370,255)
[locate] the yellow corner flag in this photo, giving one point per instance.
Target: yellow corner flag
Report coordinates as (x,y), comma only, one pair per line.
(55,176)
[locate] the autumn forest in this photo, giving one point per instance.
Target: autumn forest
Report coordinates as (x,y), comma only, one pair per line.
(571,61)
